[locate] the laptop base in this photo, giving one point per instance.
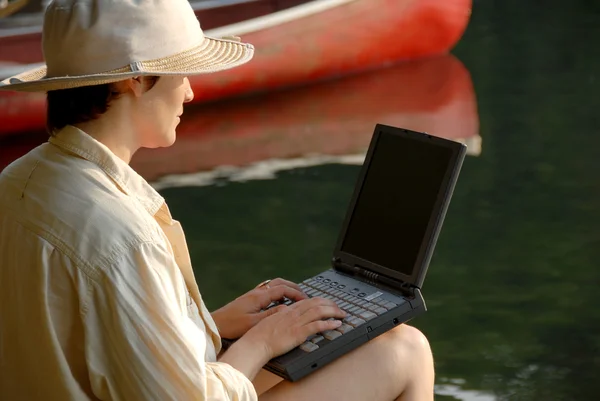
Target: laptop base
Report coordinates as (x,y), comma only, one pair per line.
(298,363)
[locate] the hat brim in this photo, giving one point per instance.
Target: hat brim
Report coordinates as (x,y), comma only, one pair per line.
(211,56)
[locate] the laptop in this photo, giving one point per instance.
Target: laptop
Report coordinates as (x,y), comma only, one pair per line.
(384,246)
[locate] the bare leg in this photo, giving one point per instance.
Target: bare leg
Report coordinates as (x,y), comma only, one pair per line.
(396,365)
(265,380)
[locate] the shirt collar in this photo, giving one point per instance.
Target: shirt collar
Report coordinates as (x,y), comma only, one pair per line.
(74,140)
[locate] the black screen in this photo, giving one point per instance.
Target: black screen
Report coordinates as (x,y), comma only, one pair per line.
(396,201)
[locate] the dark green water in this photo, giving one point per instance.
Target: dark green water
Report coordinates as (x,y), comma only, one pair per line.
(512,288)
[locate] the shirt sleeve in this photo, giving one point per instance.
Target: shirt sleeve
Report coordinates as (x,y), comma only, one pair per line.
(140,343)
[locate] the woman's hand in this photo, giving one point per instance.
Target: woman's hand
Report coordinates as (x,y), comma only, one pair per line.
(237,317)
(291,325)
(280,332)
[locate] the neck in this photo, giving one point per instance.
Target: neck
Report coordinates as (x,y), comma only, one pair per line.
(115,130)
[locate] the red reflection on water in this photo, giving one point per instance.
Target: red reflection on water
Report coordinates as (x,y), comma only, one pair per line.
(433,95)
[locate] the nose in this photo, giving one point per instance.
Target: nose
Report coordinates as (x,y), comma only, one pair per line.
(189,93)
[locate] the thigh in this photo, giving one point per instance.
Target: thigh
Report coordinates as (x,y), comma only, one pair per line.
(265,380)
(378,370)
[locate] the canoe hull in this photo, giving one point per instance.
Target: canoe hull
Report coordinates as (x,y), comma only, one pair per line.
(350,37)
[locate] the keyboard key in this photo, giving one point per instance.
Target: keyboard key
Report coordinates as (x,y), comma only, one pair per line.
(355,321)
(380,311)
(367,315)
(317,339)
(346,297)
(389,305)
(353,309)
(331,334)
(374,295)
(353,299)
(309,347)
(380,302)
(344,328)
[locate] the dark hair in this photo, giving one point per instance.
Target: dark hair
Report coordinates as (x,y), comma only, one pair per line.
(78,105)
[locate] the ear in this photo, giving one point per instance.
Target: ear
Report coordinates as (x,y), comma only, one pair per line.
(135,85)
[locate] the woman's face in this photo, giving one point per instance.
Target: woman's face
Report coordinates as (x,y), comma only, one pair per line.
(159,110)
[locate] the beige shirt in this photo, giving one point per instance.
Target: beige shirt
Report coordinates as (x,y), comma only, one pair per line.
(94,279)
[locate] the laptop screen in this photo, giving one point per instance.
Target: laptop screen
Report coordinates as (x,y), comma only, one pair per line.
(397,200)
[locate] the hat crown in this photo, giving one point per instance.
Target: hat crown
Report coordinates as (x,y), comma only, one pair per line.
(82,37)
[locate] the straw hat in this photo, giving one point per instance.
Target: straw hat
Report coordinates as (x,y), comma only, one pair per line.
(92,42)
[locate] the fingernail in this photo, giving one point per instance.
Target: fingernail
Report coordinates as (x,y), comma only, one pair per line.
(338,323)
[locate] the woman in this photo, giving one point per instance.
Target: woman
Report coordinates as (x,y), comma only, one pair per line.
(97,295)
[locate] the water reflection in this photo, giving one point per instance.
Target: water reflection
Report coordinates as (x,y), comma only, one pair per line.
(335,118)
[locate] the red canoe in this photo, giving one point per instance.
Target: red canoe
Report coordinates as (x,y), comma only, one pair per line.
(313,41)
(335,118)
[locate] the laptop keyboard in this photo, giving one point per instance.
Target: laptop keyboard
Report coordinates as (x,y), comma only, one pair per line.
(359,310)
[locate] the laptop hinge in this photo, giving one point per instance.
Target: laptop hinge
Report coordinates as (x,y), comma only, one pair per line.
(407,289)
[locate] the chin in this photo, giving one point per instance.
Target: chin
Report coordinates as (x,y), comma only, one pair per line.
(163,141)
(169,139)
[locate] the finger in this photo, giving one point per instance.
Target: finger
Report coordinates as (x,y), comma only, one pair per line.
(281,291)
(266,296)
(280,281)
(319,326)
(321,312)
(257,317)
(304,305)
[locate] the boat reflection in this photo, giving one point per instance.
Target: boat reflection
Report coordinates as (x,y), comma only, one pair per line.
(332,118)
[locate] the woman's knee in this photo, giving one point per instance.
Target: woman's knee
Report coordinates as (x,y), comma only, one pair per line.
(410,340)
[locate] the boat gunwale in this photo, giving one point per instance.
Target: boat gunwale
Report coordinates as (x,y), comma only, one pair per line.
(196,6)
(249,26)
